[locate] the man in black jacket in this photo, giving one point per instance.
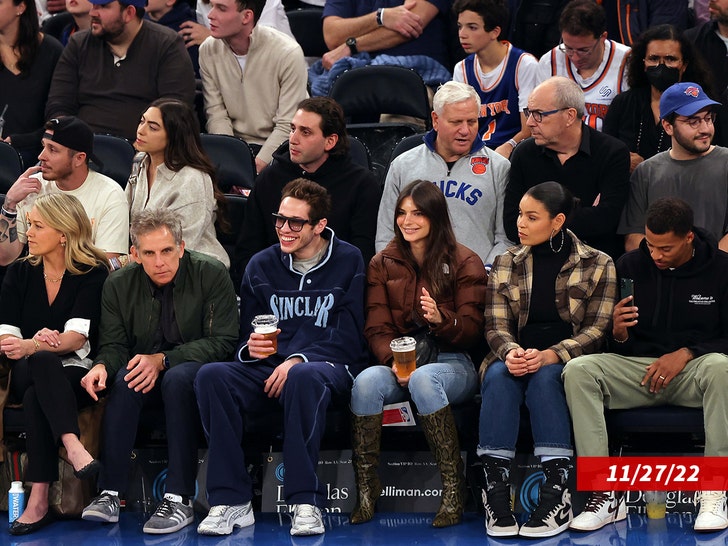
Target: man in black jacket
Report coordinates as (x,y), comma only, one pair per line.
(318,150)
(670,345)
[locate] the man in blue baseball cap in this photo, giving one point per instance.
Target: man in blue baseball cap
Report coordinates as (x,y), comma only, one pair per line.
(109,74)
(693,169)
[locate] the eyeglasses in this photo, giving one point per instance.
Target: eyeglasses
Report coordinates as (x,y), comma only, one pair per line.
(579,52)
(538,115)
(694,121)
(667,60)
(294,224)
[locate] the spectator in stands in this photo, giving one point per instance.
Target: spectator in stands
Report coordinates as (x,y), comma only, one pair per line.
(549,300)
(502,75)
(27,60)
(661,57)
(108,75)
(81,12)
(48,8)
(49,318)
(172,14)
(318,149)
(587,57)
(628,20)
(68,145)
(711,39)
(424,283)
(174,173)
(162,318)
(194,33)
(409,29)
(676,357)
(318,350)
(472,177)
(593,166)
(692,169)
(252,77)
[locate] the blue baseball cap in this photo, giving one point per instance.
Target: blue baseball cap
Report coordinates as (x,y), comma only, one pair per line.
(684,99)
(135,3)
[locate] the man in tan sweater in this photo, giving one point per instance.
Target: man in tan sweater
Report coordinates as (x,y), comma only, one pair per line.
(253,77)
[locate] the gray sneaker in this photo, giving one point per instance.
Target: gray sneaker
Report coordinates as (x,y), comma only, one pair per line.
(170,516)
(104,508)
(306,520)
(223,519)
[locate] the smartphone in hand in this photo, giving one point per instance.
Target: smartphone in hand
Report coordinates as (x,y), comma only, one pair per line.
(626,288)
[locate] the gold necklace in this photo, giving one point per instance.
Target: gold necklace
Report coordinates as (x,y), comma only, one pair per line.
(51,279)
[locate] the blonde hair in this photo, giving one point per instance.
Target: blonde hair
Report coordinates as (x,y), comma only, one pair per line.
(66,214)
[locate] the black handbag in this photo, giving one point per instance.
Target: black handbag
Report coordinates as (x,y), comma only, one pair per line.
(427,348)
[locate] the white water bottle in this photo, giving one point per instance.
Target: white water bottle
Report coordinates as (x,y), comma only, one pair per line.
(16,501)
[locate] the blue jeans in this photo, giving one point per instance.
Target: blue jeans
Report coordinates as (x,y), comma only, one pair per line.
(500,411)
(450,380)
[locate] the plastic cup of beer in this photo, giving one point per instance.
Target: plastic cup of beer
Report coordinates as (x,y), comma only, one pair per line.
(656,504)
(405,356)
(267,326)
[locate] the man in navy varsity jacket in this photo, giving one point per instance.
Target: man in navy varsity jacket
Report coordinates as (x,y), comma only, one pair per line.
(314,284)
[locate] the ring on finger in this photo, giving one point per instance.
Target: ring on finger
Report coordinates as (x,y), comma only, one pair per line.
(662,377)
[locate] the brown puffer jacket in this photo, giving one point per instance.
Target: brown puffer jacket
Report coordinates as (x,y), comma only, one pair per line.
(393,303)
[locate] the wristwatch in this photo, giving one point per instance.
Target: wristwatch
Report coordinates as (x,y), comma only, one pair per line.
(351,42)
(165,361)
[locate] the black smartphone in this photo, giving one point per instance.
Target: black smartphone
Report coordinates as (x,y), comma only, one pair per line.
(626,288)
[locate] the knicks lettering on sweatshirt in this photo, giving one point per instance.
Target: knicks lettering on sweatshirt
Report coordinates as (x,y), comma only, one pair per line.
(459,190)
(286,307)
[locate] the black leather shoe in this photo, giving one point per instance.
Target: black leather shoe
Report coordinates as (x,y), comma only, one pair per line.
(17,528)
(88,471)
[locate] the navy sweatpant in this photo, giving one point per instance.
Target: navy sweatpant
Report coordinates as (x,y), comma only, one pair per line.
(121,419)
(227,390)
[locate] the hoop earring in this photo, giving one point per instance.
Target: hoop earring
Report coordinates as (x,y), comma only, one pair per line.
(551,241)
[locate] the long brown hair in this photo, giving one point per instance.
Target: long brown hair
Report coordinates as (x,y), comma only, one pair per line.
(28,42)
(184,148)
(438,267)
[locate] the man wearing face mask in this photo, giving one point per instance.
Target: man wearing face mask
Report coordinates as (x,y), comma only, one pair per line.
(692,169)
(661,57)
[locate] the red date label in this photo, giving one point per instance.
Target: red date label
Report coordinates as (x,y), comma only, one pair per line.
(652,473)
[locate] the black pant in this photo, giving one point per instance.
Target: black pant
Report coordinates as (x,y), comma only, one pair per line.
(50,404)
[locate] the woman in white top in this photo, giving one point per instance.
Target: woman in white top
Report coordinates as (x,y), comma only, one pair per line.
(175,173)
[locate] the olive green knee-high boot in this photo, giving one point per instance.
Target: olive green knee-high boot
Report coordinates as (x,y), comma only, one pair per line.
(442,436)
(366,438)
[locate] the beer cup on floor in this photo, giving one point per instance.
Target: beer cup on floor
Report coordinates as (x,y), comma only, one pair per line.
(267,326)
(405,356)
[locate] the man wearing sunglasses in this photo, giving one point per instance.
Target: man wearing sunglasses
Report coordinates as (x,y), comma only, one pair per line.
(594,166)
(692,169)
(586,56)
(314,284)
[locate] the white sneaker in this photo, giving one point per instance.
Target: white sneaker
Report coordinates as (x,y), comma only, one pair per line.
(306,520)
(601,508)
(713,514)
(223,519)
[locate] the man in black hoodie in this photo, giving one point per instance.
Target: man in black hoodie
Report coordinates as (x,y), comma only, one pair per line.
(318,150)
(670,346)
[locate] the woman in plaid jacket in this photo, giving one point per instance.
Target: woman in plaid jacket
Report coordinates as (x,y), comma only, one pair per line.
(548,300)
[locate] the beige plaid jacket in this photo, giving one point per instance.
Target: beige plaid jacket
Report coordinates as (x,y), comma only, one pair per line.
(586,291)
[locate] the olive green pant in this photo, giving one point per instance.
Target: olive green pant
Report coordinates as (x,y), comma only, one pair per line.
(594,383)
